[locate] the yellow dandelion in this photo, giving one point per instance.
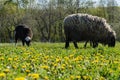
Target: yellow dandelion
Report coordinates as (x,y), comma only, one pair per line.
(51,57)
(55,65)
(70,66)
(29,75)
(76,59)
(78,77)
(6,70)
(2,75)
(2,58)
(105,61)
(45,67)
(46,57)
(62,67)
(95,61)
(44,61)
(119,68)
(15,59)
(85,77)
(79,58)
(34,76)
(116,62)
(23,66)
(111,71)
(72,77)
(10,59)
(27,53)
(66,58)
(79,66)
(71,56)
(15,67)
(27,71)
(46,78)
(58,60)
(20,78)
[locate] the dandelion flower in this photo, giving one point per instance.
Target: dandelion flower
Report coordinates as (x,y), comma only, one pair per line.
(2,74)
(6,70)
(35,76)
(58,60)
(72,77)
(23,66)
(27,71)
(2,58)
(46,78)
(44,67)
(78,77)
(10,59)
(20,78)
(15,67)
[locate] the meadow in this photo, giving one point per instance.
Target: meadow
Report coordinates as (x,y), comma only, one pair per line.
(51,61)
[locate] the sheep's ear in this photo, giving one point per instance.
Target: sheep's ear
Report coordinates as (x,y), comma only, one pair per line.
(111,42)
(27,38)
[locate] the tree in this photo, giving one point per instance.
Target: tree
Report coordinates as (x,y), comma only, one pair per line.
(102,9)
(111,6)
(8,12)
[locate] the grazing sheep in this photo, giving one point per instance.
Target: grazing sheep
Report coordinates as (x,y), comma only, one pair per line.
(23,33)
(85,27)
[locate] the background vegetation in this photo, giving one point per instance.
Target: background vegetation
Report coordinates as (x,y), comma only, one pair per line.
(46,16)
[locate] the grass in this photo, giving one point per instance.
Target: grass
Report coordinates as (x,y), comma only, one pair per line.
(50,61)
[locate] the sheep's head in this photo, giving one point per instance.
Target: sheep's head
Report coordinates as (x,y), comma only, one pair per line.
(27,40)
(111,39)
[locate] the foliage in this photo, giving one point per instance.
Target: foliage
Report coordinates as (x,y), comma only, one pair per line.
(52,62)
(46,16)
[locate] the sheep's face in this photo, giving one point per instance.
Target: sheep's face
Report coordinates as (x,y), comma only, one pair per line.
(111,41)
(27,40)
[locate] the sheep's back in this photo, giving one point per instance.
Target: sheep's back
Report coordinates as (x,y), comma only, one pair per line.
(80,22)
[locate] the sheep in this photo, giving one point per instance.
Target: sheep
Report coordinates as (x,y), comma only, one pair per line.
(23,33)
(86,27)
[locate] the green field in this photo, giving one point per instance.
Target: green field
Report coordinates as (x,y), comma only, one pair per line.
(50,61)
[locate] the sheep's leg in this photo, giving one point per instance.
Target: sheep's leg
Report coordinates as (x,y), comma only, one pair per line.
(95,44)
(15,41)
(91,43)
(23,43)
(85,44)
(75,44)
(67,41)
(67,44)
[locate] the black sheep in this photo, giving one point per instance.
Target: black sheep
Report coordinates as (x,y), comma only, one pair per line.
(23,33)
(85,27)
